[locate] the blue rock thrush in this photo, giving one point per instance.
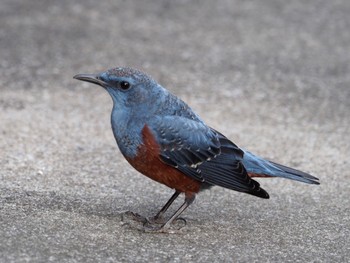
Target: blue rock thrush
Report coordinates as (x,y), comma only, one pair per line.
(162,138)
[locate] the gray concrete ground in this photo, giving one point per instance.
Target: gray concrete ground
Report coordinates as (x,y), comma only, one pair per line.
(274,76)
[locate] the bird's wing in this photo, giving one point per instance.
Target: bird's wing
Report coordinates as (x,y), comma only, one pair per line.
(203,154)
(184,142)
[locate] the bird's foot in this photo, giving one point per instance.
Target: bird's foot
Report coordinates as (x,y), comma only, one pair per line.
(129,215)
(167,227)
(153,224)
(156,220)
(145,220)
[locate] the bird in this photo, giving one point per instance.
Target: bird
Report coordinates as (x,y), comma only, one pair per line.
(165,140)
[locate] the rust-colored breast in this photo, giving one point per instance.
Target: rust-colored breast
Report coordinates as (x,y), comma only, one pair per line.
(148,163)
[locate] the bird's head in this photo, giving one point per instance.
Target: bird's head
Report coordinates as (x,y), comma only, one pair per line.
(127,86)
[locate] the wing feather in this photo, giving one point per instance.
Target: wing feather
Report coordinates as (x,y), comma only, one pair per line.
(203,154)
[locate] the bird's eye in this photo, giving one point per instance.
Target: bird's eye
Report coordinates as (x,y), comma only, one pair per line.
(124,85)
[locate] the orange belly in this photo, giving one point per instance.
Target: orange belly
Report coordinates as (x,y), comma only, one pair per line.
(148,163)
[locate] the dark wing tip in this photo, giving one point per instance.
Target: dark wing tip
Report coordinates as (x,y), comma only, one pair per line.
(260,193)
(256,190)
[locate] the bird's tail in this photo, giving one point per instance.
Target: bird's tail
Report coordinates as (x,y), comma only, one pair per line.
(294,174)
(261,167)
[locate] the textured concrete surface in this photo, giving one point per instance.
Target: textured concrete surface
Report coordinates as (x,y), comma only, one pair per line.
(274,76)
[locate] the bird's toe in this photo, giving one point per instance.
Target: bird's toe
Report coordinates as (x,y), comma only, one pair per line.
(157,220)
(129,215)
(167,227)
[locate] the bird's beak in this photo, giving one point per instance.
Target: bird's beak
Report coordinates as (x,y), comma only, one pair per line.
(93,78)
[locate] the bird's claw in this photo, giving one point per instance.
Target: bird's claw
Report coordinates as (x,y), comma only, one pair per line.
(156,220)
(133,216)
(155,227)
(153,224)
(180,219)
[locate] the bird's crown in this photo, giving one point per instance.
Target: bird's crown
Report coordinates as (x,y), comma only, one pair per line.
(126,72)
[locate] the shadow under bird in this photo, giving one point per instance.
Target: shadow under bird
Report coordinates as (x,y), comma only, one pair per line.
(162,138)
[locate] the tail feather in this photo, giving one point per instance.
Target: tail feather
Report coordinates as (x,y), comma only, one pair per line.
(295,174)
(257,165)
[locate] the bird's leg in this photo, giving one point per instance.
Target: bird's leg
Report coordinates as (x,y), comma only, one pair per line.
(158,218)
(189,198)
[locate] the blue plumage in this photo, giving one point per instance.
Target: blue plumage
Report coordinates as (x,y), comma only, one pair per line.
(185,141)
(258,165)
(148,120)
